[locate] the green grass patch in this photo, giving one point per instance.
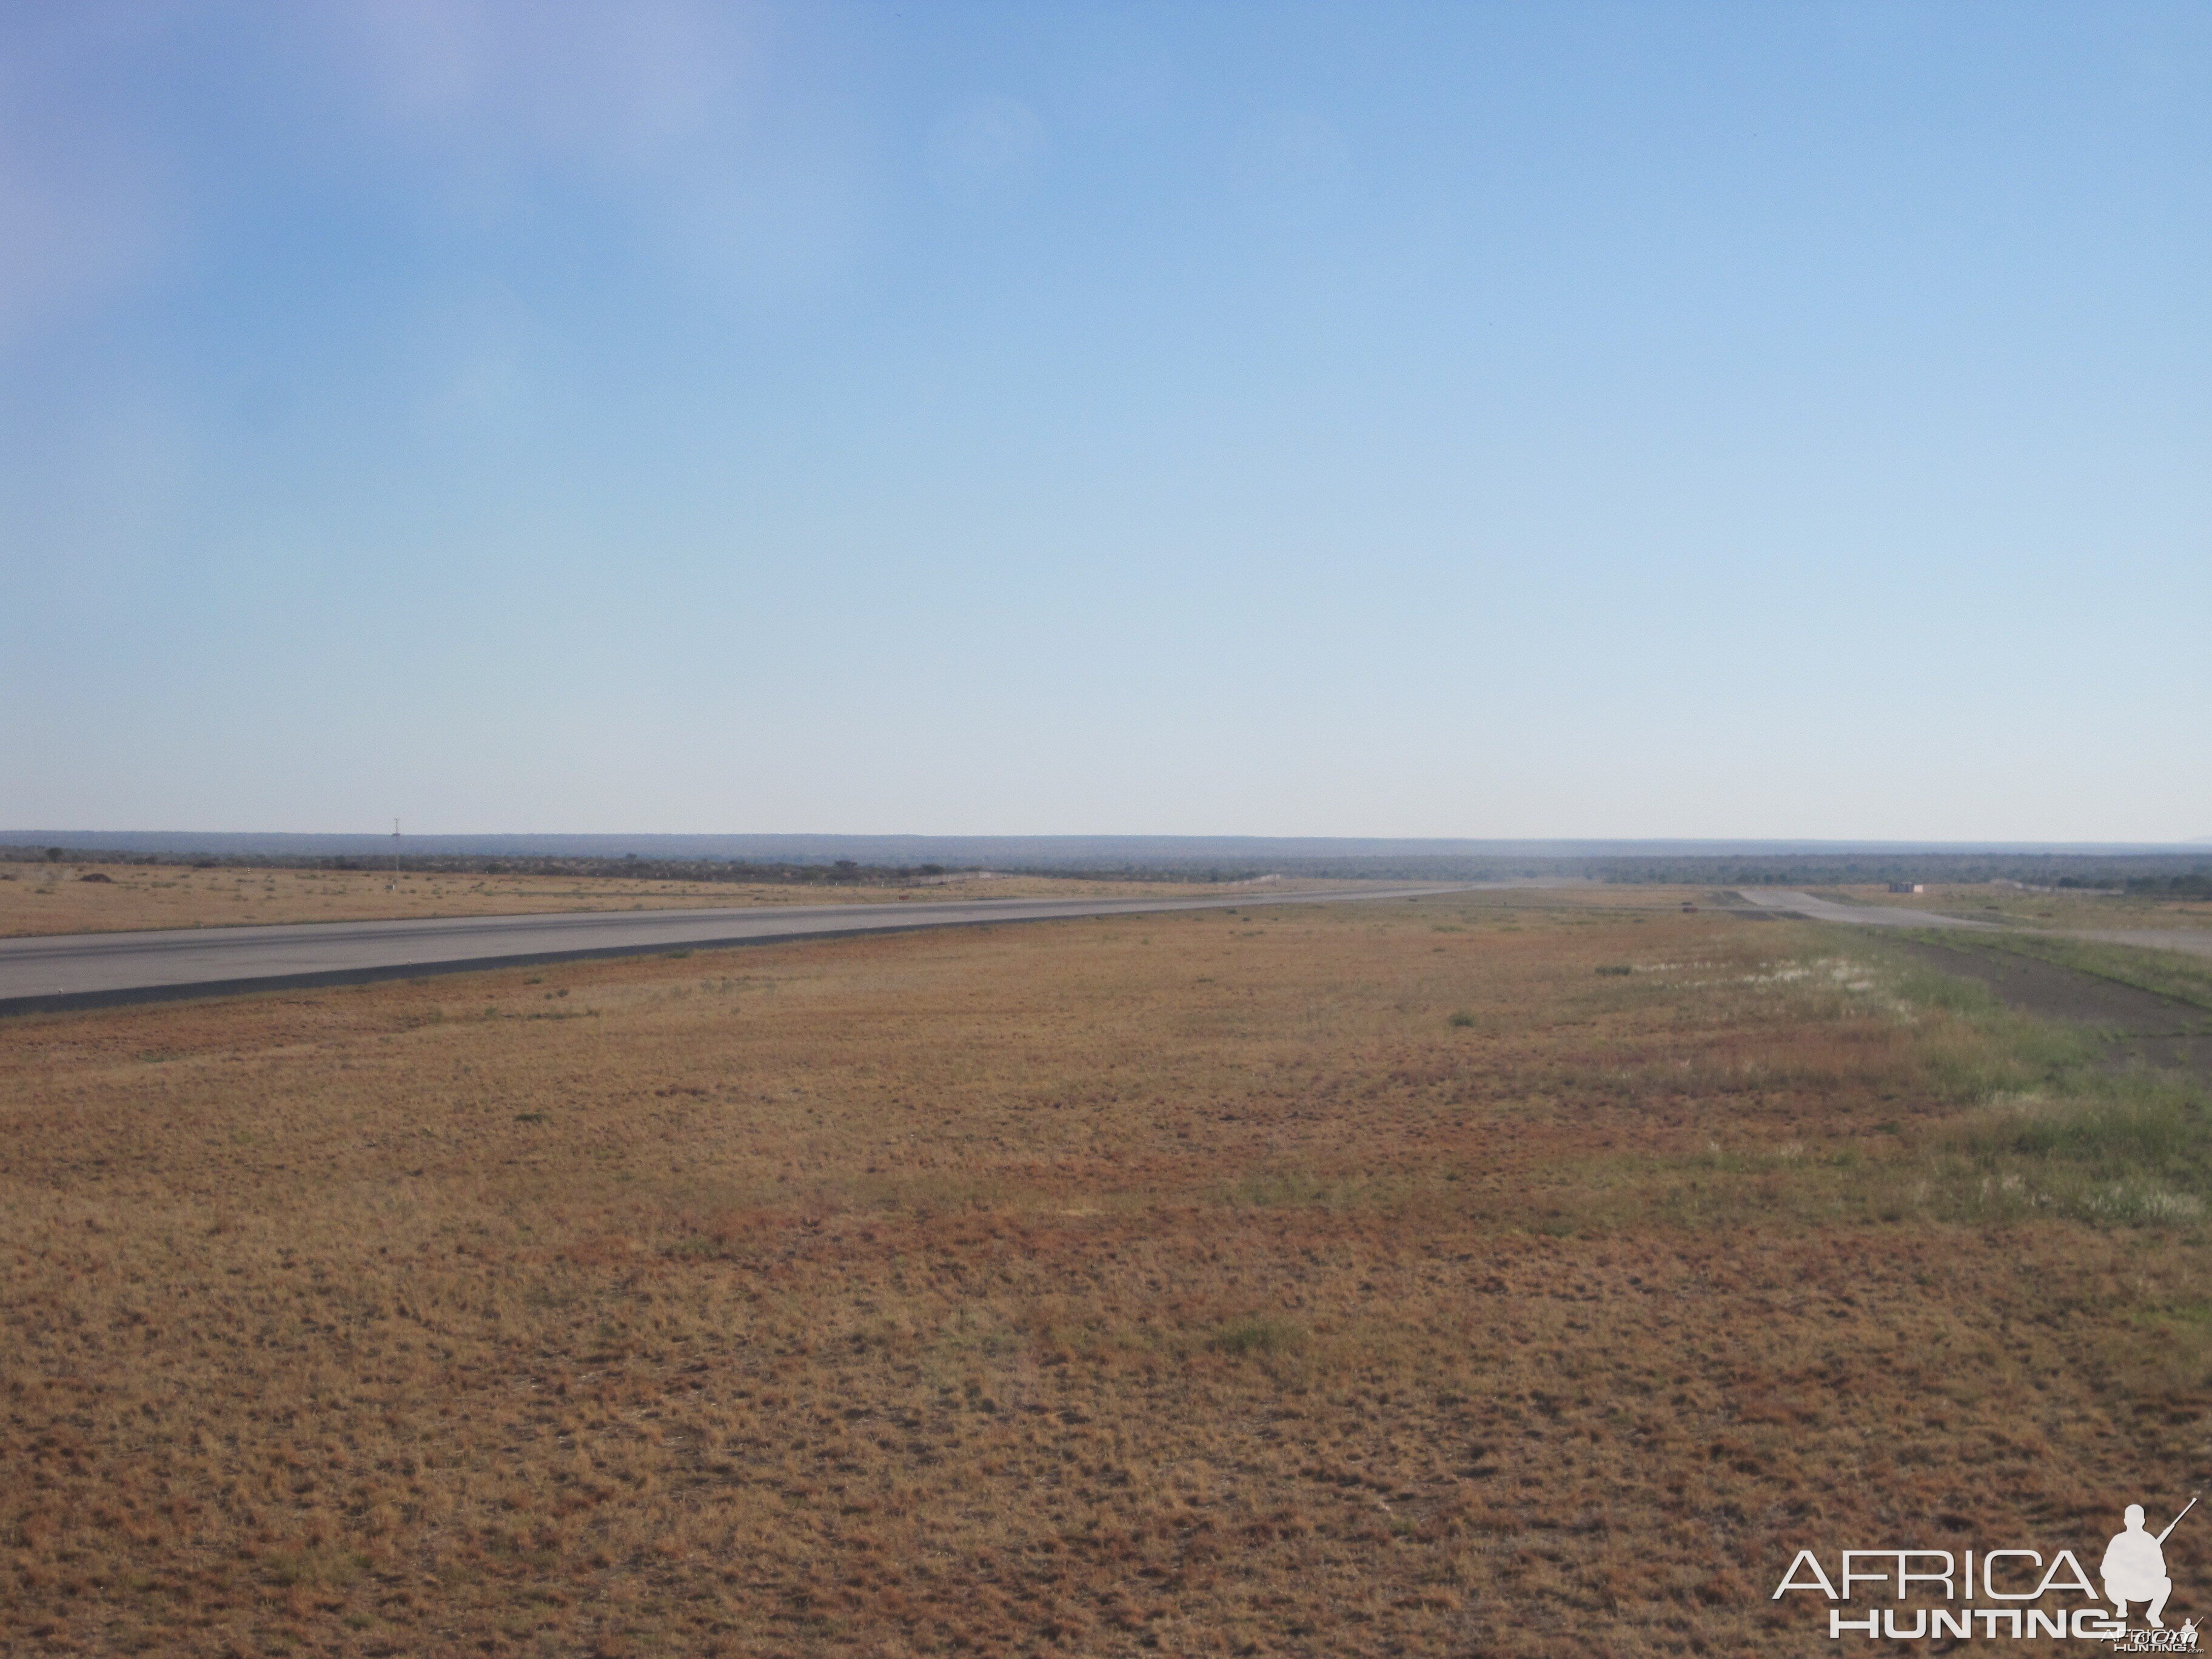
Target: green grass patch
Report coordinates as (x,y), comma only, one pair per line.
(2048,1126)
(2167,972)
(2001,1117)
(2136,1153)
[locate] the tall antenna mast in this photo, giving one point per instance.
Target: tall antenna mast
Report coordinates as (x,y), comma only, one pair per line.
(395,855)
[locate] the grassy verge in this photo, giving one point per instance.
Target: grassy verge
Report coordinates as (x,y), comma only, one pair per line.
(2167,972)
(2043,1124)
(1999,1118)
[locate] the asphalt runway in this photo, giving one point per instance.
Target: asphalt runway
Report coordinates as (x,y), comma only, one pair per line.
(90,970)
(2191,941)
(1858,915)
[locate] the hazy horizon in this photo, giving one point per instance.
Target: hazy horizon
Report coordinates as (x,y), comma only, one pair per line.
(919,844)
(1592,422)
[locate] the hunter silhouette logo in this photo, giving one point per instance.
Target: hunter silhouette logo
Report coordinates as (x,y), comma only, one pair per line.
(1997,1593)
(2135,1566)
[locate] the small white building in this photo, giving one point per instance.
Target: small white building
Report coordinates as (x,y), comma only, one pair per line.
(1908,887)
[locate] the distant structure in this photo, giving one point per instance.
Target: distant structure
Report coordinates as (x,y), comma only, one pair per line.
(1908,887)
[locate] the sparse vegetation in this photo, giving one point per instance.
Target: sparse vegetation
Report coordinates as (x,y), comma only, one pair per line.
(2050,906)
(2183,977)
(149,894)
(1052,1290)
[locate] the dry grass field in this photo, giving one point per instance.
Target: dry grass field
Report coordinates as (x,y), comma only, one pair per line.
(55,898)
(1523,1274)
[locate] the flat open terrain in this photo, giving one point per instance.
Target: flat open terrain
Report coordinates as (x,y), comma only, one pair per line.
(50,973)
(2062,909)
(1503,1273)
(55,898)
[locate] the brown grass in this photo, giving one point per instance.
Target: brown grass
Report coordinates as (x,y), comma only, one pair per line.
(1187,1284)
(55,898)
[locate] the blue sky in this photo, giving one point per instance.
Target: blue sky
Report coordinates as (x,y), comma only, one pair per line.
(1769,420)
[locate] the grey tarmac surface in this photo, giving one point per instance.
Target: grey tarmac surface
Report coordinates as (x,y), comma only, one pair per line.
(2190,940)
(85,970)
(1859,915)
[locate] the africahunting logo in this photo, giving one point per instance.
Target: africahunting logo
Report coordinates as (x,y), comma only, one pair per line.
(2028,1597)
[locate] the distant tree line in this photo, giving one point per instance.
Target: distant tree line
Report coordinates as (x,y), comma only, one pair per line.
(2072,869)
(2196,883)
(2147,872)
(841,872)
(2111,871)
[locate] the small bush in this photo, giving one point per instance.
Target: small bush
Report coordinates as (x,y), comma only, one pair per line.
(1462,1018)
